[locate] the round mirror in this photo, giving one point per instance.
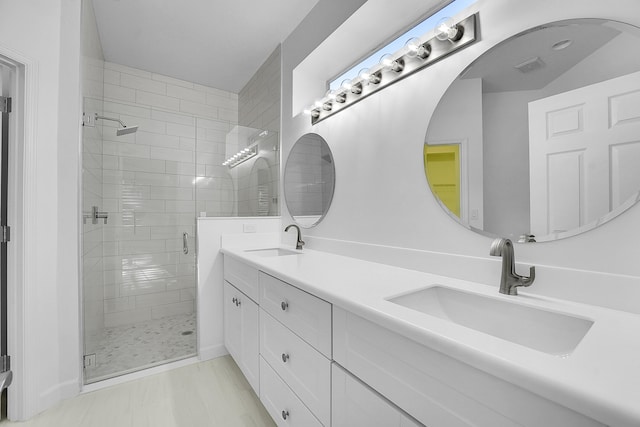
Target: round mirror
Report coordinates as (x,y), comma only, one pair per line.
(309,180)
(539,138)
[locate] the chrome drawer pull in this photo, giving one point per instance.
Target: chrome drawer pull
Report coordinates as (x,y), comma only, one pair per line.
(285,415)
(284,305)
(285,357)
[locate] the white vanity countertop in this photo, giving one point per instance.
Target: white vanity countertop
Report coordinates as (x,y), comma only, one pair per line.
(600,378)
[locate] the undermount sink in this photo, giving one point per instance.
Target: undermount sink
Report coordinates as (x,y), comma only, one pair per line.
(550,332)
(270,252)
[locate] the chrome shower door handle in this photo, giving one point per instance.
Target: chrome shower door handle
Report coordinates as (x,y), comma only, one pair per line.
(185,243)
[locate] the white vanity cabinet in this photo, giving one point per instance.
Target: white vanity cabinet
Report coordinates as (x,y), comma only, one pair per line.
(355,404)
(242,276)
(241,318)
(281,402)
(282,345)
(306,315)
(436,389)
(295,342)
(241,333)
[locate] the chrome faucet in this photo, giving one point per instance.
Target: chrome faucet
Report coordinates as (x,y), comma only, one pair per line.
(510,280)
(299,243)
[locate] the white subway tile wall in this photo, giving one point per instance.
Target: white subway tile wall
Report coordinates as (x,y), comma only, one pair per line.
(154,184)
(259,107)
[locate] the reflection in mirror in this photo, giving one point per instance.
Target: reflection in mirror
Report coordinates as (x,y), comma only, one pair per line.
(259,185)
(309,180)
(538,138)
(249,175)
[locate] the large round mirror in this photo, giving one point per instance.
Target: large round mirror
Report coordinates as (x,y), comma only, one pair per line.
(309,180)
(539,138)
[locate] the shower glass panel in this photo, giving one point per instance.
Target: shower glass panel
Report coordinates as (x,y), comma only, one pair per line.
(139,282)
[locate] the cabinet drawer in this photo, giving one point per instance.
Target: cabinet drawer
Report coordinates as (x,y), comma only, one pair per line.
(242,276)
(305,370)
(434,388)
(307,316)
(355,404)
(282,404)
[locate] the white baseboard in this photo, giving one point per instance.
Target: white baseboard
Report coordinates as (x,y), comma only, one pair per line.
(60,392)
(212,352)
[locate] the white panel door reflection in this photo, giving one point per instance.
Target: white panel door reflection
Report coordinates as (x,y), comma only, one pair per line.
(584,154)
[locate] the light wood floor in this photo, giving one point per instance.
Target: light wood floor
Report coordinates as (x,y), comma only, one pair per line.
(212,393)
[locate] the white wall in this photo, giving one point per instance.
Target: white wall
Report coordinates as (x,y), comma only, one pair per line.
(46,35)
(506,130)
(210,271)
(381,197)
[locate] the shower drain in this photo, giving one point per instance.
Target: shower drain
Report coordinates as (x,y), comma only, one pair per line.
(187,332)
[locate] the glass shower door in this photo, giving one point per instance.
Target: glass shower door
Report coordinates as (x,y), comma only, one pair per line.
(139,281)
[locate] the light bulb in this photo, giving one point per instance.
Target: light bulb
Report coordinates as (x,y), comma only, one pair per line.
(364,74)
(389,63)
(447,30)
(412,45)
(368,77)
(318,104)
(386,60)
(346,84)
(336,96)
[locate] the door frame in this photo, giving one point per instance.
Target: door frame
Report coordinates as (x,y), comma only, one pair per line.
(464,175)
(21,335)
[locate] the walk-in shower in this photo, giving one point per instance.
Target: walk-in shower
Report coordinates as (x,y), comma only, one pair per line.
(142,192)
(139,203)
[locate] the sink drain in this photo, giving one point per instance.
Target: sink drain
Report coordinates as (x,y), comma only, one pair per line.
(187,332)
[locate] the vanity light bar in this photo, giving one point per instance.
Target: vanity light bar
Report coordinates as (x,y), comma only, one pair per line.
(241,156)
(395,67)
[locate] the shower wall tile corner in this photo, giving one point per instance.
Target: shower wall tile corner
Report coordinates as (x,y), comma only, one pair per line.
(259,108)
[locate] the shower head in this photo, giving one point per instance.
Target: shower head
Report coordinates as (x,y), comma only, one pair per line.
(126,130)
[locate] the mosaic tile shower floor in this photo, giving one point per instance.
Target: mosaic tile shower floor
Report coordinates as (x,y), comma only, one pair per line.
(125,349)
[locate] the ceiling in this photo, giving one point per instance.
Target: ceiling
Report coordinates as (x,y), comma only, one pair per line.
(217,43)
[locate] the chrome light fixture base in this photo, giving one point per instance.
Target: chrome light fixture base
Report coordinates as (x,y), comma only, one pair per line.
(429,52)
